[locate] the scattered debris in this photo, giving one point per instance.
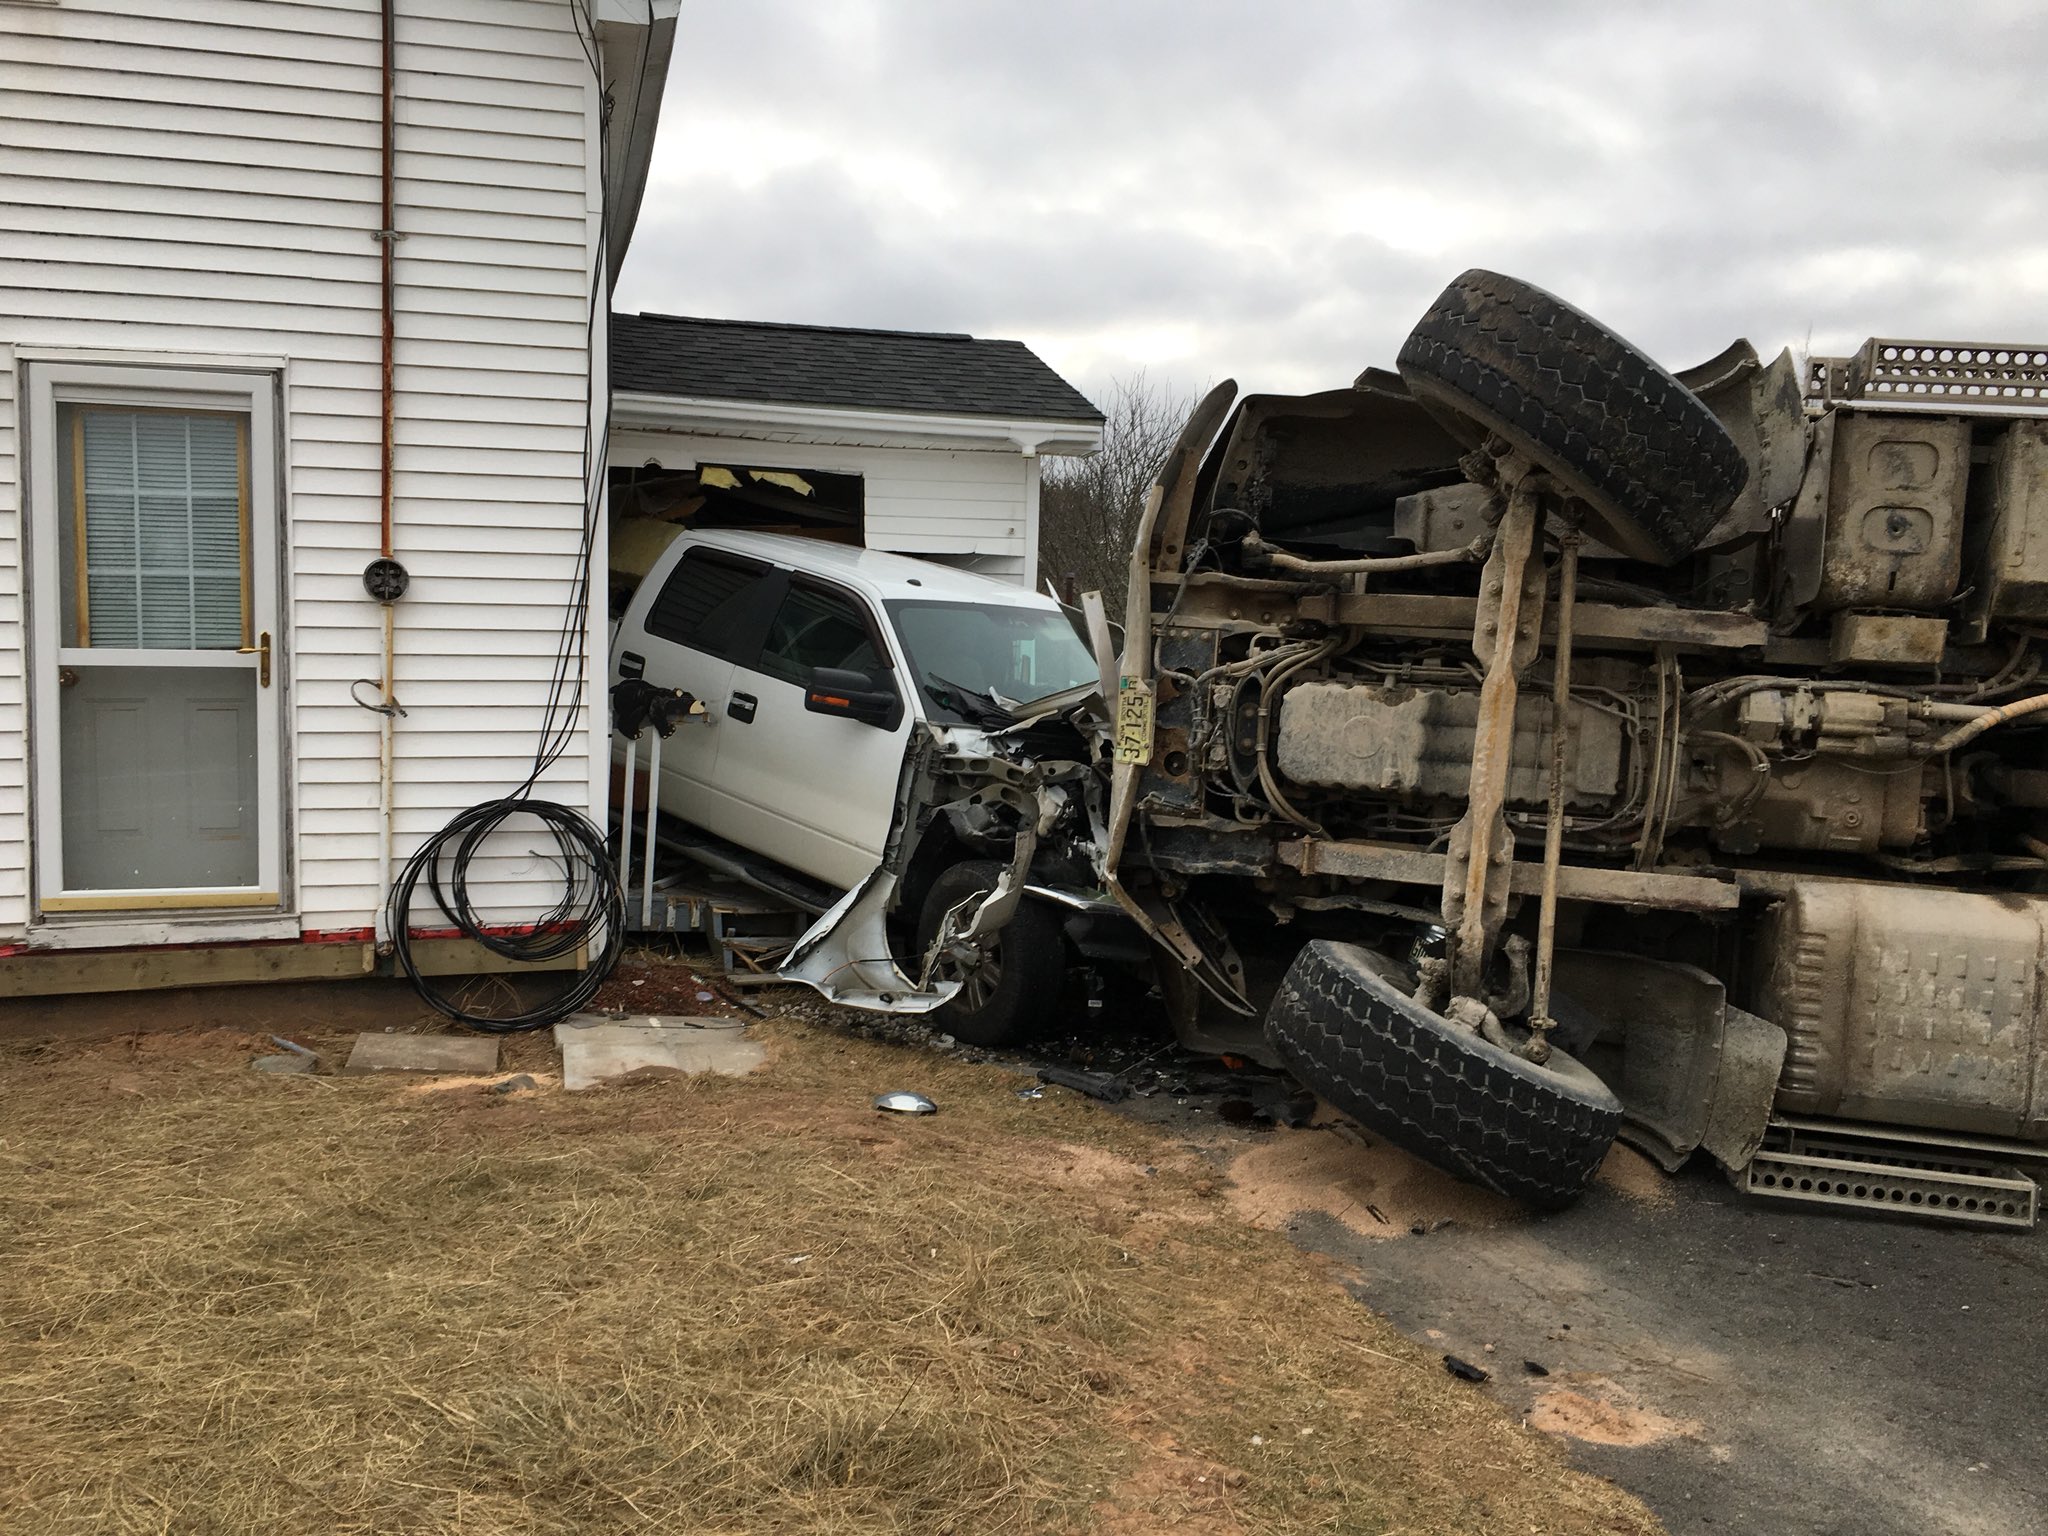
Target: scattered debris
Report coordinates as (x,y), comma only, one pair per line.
(1374,1191)
(1035,1091)
(1274,1108)
(1534,1369)
(286,1065)
(902,1102)
(469,1055)
(1465,1370)
(513,1084)
(294,1047)
(1097,1085)
(1298,1111)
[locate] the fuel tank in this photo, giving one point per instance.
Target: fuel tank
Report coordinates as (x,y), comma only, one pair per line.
(1913,1006)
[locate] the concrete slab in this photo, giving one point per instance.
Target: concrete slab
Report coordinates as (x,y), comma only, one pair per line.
(471,1055)
(596,1049)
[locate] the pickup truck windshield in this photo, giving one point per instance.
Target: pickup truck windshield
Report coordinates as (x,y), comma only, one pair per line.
(965,655)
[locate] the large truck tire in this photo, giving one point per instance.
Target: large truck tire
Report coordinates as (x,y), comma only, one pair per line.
(1652,464)
(1345,1026)
(1010,994)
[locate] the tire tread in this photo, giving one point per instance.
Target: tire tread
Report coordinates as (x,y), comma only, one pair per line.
(1656,465)
(1448,1097)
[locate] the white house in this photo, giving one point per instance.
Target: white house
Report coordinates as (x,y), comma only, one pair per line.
(931,442)
(212,216)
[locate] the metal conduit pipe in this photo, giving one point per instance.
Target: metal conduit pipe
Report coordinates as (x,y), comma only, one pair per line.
(386,236)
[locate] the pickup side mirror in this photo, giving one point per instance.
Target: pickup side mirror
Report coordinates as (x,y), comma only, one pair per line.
(855,695)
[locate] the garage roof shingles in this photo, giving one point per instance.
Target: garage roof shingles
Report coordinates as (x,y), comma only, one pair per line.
(915,371)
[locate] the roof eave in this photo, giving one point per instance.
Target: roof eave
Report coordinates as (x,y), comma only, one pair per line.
(635,39)
(725,418)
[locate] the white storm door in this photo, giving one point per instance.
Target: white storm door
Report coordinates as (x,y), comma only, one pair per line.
(153,654)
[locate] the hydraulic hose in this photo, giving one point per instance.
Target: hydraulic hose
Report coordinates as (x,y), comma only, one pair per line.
(1963,735)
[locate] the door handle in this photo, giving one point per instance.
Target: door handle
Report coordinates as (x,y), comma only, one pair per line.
(260,650)
(741,707)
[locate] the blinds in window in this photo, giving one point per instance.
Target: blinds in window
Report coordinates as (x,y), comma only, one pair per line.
(161,529)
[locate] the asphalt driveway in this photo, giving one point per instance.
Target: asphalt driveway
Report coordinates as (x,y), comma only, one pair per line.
(1829,1374)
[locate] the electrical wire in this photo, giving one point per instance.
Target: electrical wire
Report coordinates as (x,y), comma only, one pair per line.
(590,914)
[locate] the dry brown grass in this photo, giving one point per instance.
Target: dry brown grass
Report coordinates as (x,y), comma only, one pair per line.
(240,1304)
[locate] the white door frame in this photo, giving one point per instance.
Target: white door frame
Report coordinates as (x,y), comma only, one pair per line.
(254,394)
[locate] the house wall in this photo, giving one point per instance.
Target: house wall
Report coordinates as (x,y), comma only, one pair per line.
(976,508)
(203,180)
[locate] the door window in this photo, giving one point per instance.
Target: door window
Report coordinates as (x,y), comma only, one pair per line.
(713,603)
(814,628)
(153,524)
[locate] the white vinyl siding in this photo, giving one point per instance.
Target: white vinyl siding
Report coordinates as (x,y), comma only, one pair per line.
(13,690)
(967,507)
(204,182)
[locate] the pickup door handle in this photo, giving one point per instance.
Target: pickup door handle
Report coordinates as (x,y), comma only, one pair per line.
(741,707)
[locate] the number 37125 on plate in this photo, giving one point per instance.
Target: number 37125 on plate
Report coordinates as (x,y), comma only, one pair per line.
(1133,720)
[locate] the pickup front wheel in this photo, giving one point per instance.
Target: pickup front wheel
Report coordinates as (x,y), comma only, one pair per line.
(1008,987)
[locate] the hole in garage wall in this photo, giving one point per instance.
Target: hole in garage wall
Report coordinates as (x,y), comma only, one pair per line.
(651,504)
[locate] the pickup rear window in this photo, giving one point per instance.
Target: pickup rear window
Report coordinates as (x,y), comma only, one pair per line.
(707,600)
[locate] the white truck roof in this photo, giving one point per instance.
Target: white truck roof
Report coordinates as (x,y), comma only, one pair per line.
(874,572)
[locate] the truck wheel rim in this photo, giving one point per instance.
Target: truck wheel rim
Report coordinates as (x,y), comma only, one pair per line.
(978,982)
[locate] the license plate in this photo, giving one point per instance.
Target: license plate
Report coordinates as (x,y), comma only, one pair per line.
(1133,721)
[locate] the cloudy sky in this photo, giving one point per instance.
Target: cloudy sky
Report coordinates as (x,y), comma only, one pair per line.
(1276,191)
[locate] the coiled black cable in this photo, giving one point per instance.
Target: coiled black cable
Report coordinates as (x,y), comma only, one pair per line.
(591,911)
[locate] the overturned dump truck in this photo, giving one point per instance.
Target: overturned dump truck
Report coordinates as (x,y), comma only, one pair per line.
(1542,743)
(1532,745)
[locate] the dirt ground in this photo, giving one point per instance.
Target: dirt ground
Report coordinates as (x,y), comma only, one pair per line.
(237,1302)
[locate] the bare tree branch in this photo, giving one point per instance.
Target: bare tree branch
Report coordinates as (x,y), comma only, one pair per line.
(1089,508)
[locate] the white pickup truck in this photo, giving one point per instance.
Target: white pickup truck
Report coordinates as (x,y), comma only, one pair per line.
(826,674)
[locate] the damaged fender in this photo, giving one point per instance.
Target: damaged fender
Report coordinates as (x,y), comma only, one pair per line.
(846,955)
